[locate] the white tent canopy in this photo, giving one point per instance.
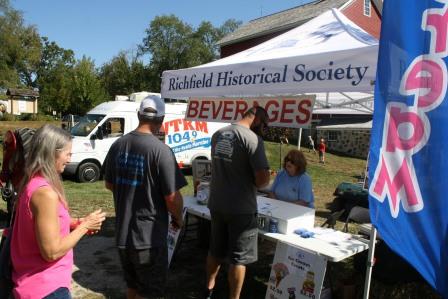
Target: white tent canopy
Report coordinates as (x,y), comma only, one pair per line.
(341,102)
(347,127)
(327,54)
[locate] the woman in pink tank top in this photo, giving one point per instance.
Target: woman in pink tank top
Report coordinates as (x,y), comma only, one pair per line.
(42,243)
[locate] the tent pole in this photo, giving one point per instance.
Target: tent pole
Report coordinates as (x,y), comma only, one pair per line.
(280,158)
(299,139)
(370,261)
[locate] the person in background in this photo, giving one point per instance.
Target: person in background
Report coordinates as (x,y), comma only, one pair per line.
(143,175)
(322,148)
(311,144)
(239,167)
(292,183)
(42,244)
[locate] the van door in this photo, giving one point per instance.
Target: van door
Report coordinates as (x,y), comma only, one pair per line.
(109,131)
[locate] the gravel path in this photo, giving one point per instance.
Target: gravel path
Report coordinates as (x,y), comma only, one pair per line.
(97,272)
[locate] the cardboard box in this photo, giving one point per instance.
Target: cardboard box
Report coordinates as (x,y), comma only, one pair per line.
(290,216)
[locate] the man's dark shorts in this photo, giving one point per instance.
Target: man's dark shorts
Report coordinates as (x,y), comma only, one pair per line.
(145,270)
(234,237)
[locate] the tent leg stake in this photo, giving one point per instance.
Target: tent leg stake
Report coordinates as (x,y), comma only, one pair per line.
(370,262)
(299,139)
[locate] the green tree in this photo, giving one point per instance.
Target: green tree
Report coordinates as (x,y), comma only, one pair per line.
(168,43)
(123,75)
(8,75)
(20,49)
(228,27)
(140,76)
(56,93)
(209,36)
(173,44)
(87,90)
(54,77)
(204,44)
(4,5)
(53,56)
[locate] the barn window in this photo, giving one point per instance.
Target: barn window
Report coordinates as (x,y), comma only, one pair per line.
(332,135)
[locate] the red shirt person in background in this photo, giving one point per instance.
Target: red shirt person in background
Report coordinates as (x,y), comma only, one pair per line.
(322,148)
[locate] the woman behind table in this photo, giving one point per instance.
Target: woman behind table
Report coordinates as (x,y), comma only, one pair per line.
(42,244)
(292,183)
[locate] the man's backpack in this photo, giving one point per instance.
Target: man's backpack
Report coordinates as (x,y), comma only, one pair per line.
(16,145)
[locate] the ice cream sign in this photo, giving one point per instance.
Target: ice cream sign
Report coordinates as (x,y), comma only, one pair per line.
(295,273)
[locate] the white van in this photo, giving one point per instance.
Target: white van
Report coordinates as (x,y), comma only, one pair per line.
(94,134)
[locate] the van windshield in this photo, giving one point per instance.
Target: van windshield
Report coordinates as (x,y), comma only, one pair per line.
(86,124)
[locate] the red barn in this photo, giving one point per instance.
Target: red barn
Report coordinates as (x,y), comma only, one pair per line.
(365,13)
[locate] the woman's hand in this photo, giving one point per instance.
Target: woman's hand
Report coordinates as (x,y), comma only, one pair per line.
(93,221)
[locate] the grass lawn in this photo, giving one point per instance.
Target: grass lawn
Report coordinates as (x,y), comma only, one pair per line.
(12,125)
(84,198)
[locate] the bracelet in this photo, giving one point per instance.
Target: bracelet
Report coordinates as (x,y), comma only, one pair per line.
(75,224)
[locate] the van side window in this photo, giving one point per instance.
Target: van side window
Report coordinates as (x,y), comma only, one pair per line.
(113,127)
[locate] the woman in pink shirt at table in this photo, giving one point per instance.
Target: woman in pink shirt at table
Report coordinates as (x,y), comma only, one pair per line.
(42,243)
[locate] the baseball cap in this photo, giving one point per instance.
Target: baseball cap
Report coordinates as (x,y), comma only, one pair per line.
(155,102)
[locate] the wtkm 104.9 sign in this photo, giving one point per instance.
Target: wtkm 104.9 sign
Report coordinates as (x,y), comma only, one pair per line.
(183,135)
(292,112)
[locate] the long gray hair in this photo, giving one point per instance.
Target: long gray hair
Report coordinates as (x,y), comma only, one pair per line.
(46,145)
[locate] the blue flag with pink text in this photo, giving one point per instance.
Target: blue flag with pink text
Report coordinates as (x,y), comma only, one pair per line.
(408,166)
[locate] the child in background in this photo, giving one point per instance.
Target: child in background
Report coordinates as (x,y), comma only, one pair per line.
(322,149)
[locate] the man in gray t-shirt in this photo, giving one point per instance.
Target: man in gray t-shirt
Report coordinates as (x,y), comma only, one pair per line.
(145,179)
(239,167)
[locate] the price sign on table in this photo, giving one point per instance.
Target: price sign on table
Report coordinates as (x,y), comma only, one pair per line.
(295,274)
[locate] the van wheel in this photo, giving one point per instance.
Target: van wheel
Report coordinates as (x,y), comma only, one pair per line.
(88,172)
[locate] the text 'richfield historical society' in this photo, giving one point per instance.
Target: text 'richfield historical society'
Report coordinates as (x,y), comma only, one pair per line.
(299,73)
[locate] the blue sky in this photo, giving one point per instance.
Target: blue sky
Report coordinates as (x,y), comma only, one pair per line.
(100,29)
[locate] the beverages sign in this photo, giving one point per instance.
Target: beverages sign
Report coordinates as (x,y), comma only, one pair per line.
(292,112)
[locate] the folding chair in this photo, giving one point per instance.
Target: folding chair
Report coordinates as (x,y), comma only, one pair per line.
(357,215)
(331,220)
